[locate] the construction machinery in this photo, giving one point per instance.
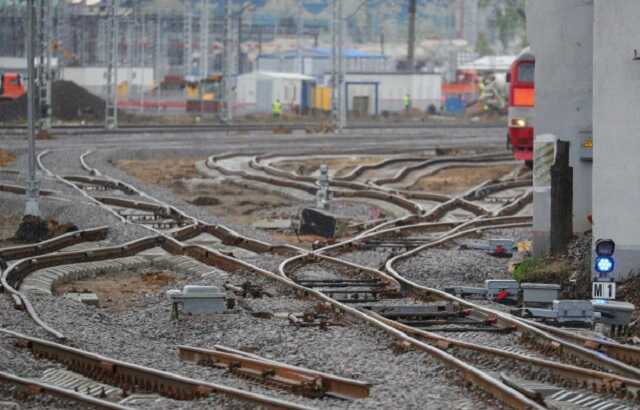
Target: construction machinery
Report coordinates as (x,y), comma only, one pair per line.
(11,86)
(204,95)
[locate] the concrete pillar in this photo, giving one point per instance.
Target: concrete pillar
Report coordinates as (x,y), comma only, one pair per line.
(616,126)
(561,37)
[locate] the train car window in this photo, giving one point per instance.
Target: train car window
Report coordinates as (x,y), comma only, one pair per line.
(526,72)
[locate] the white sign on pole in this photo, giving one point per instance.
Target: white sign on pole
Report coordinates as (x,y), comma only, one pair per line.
(604,290)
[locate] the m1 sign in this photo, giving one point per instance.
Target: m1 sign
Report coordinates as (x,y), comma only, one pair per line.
(604,290)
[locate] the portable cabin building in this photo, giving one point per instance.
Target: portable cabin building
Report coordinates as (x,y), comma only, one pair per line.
(256,91)
(374,93)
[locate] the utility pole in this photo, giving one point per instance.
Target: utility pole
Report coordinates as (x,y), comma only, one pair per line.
(188,38)
(299,32)
(157,52)
(143,43)
(239,45)
(411,43)
(132,36)
(31,205)
(227,62)
(43,72)
(204,39)
(337,74)
(342,109)
(113,37)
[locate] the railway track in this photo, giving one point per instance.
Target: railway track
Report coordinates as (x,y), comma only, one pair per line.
(30,387)
(127,129)
(172,245)
(512,396)
(567,382)
(130,376)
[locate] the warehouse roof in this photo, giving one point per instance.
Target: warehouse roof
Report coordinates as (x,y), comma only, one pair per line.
(489,63)
(284,76)
(323,52)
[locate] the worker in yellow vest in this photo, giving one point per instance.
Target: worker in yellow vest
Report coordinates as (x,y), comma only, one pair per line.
(276,108)
(407,103)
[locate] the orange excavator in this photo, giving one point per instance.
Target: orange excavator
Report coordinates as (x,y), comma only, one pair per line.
(11,86)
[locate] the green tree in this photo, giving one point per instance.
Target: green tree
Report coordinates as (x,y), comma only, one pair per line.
(482,45)
(510,19)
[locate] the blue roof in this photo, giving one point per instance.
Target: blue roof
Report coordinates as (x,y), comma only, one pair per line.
(323,52)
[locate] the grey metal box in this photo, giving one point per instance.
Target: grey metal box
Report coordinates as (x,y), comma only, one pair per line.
(540,292)
(199,299)
(568,310)
(612,312)
(495,285)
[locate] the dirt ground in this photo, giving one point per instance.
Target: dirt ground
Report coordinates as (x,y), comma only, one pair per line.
(119,292)
(162,172)
(8,227)
(6,158)
(234,202)
(456,180)
(343,165)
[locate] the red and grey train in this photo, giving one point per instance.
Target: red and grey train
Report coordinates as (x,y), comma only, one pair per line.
(522,99)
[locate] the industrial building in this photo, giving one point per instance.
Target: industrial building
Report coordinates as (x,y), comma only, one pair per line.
(586,72)
(317,61)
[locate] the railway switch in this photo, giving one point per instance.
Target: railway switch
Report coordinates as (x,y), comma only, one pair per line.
(502,290)
(614,314)
(567,313)
(539,294)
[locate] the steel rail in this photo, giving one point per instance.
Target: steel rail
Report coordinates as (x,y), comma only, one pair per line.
(91,199)
(498,187)
(404,172)
(463,203)
(594,379)
(312,188)
(471,374)
(20,190)
(304,381)
(54,244)
(213,258)
(33,387)
(538,335)
(196,227)
(128,374)
(127,129)
(625,353)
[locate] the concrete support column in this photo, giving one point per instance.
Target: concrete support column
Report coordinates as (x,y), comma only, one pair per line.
(616,129)
(561,37)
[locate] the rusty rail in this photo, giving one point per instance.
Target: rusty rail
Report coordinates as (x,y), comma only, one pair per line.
(306,382)
(594,379)
(34,387)
(471,374)
(497,187)
(537,335)
(129,375)
(55,244)
(503,393)
(99,182)
(20,190)
(404,172)
(311,188)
